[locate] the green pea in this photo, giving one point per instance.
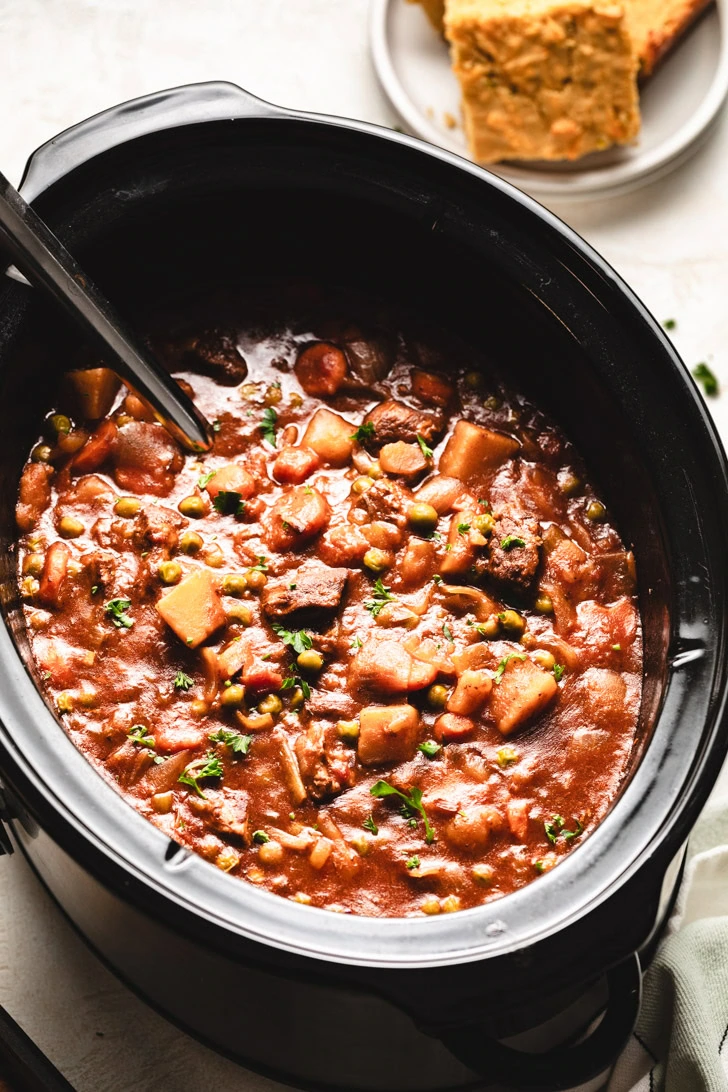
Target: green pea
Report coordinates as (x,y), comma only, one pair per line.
(191,542)
(60,423)
(232,695)
(193,507)
(437,696)
(70,527)
(271,704)
(41,453)
(422,518)
(239,613)
(170,572)
(595,511)
(512,622)
(256,580)
(377,560)
(234,584)
(310,660)
(360,485)
(127,507)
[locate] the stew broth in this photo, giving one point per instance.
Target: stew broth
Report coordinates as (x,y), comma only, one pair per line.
(379,651)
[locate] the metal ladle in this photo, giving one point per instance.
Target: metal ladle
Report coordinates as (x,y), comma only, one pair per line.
(46,263)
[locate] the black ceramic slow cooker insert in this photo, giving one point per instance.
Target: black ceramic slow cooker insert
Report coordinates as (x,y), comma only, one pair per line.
(158,196)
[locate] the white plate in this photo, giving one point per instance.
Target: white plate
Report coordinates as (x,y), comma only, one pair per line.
(679,103)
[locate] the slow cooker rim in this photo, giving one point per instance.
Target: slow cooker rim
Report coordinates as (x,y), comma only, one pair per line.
(497,942)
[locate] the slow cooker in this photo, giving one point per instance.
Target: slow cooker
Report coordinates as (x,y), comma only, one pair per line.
(195,184)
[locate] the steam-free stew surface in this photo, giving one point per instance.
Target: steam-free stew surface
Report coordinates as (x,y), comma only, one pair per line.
(378,652)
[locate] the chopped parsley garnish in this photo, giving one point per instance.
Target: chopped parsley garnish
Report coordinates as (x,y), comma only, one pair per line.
(500,670)
(558,672)
(140,734)
(183,681)
(116,610)
(463,528)
(430,748)
(298,639)
(262,566)
(669,324)
(447,632)
(380,596)
(705,376)
(616,648)
(412,799)
(260,837)
(555,828)
(216,425)
(357,642)
(364,432)
(296,680)
(370,825)
(426,451)
(204,480)
(268,425)
(413,862)
(228,502)
(510,541)
(506,756)
(437,579)
(236,741)
(199,770)
(540,866)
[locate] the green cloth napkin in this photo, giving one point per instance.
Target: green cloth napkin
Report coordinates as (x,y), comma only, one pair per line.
(680,1043)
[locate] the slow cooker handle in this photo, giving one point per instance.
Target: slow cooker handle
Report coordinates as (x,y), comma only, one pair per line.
(563,1067)
(195,102)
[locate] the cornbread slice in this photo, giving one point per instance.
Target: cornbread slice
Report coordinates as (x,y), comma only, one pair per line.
(435,12)
(657,25)
(543,79)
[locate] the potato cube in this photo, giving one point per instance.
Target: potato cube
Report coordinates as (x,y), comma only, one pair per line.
(522,692)
(472,449)
(470,693)
(94,391)
(193,609)
(388,733)
(330,436)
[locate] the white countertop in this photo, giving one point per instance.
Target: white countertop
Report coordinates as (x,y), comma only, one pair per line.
(63,60)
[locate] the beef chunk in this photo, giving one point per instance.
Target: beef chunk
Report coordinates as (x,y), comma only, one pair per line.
(216,355)
(158,526)
(514,553)
(226,811)
(394,421)
(311,588)
(387,502)
(325,764)
(335,704)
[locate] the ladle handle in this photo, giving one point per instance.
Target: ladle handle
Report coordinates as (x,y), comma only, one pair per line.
(46,263)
